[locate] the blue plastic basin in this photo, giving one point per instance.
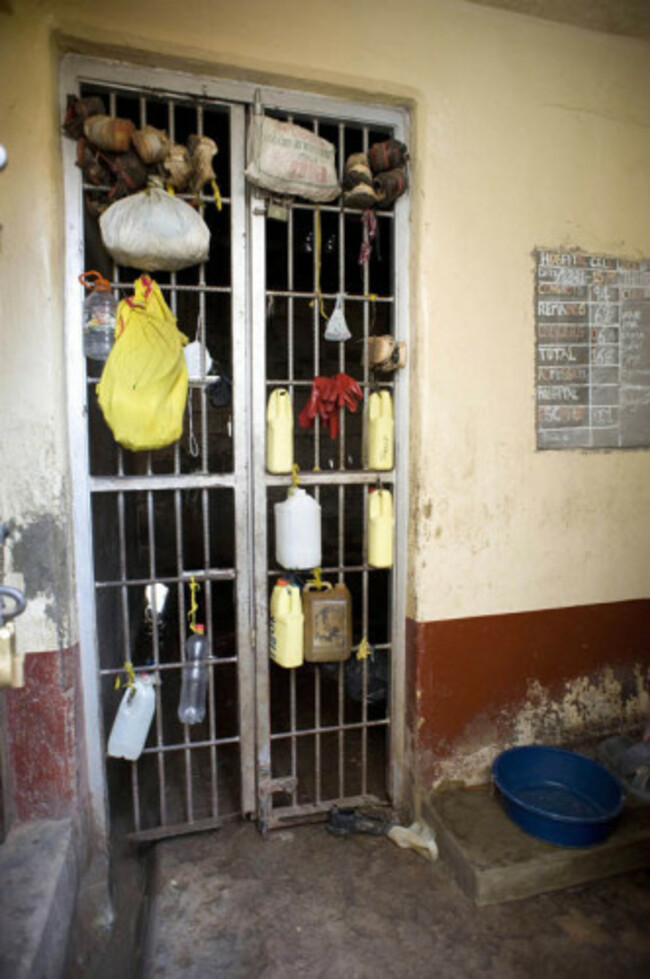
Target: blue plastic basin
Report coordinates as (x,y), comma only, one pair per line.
(557,795)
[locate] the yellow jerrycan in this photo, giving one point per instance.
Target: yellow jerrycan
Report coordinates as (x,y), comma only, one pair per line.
(380,528)
(287,626)
(381,431)
(328,622)
(279,432)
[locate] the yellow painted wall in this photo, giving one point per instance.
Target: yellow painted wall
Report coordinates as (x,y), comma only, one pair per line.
(525,133)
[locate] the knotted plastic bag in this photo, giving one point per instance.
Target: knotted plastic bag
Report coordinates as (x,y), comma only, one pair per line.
(337,328)
(155,230)
(143,388)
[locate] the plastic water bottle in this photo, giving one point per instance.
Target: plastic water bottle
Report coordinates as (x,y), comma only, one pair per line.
(99,313)
(194,687)
(133,719)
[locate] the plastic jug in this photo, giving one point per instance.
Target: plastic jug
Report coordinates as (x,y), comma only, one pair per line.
(194,685)
(133,719)
(380,528)
(328,623)
(279,432)
(100,309)
(286,634)
(381,430)
(297,531)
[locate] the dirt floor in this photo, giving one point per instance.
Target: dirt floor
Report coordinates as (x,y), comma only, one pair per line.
(306,904)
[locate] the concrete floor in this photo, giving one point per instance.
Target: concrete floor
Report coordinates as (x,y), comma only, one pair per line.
(306,904)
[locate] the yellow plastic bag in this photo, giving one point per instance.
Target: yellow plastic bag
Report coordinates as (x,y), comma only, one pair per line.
(143,388)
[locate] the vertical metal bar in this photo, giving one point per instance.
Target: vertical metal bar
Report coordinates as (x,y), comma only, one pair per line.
(401,312)
(364,573)
(209,631)
(135,793)
(178,522)
(245,435)
(160,737)
(293,729)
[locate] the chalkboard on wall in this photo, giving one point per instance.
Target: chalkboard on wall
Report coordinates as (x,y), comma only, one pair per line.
(592,351)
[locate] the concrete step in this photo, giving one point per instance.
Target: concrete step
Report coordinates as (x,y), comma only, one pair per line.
(494,861)
(39,875)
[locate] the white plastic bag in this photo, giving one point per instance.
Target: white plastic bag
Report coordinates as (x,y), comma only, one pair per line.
(287,159)
(154,231)
(337,328)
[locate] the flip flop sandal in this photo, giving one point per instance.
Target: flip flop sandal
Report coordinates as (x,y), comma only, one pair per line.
(343,821)
(629,761)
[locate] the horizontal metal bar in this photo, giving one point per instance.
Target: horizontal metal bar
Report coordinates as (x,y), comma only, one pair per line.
(160,667)
(182,829)
(217,575)
(139,484)
(281,815)
(333,729)
(359,297)
(333,477)
(189,746)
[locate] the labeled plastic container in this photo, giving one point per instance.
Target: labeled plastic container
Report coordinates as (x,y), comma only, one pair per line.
(133,719)
(381,431)
(328,623)
(279,432)
(99,313)
(194,685)
(381,523)
(298,531)
(287,625)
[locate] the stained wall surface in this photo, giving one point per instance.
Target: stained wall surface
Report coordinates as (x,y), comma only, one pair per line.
(525,134)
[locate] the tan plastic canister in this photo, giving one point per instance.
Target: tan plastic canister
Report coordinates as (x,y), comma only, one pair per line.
(328,623)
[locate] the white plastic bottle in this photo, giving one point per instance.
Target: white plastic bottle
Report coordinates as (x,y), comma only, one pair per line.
(381,431)
(279,432)
(298,531)
(380,528)
(99,313)
(194,686)
(133,719)
(287,625)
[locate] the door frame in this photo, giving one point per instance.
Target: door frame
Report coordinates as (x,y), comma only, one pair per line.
(252,625)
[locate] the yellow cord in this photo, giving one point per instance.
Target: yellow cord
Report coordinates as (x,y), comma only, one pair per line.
(217,194)
(364,650)
(191,615)
(130,676)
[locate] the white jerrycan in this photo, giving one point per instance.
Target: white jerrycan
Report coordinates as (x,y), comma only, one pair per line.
(297,531)
(133,719)
(279,432)
(381,429)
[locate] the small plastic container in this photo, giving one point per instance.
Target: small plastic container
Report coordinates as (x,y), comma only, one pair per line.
(99,314)
(133,719)
(381,431)
(381,523)
(328,623)
(279,432)
(287,625)
(194,685)
(298,531)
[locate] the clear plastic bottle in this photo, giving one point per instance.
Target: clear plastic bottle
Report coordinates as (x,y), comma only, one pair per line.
(100,310)
(194,687)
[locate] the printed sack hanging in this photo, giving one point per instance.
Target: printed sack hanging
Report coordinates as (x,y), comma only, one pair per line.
(155,231)
(288,159)
(143,388)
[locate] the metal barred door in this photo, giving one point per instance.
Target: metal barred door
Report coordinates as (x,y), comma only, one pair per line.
(155,530)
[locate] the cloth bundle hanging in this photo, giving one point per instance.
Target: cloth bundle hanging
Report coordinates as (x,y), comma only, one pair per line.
(288,159)
(143,388)
(155,230)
